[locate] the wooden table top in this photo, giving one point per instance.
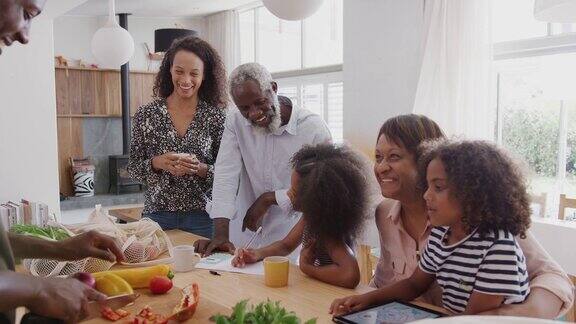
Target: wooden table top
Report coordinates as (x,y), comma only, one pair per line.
(127,215)
(307,297)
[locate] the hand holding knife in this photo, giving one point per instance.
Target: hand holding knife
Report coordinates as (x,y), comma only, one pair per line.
(94,309)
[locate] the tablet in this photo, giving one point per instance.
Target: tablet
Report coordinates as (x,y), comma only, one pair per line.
(393,312)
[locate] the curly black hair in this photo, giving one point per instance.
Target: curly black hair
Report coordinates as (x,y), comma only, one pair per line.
(332,192)
(489,185)
(213,88)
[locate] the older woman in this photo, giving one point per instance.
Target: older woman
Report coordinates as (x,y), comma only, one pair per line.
(175,138)
(404,227)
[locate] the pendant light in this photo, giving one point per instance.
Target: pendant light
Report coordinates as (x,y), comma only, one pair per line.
(112,45)
(292,9)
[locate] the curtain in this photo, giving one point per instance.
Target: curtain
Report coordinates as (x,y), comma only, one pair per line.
(454,86)
(223,33)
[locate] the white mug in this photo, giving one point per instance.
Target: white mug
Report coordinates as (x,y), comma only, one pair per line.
(185,258)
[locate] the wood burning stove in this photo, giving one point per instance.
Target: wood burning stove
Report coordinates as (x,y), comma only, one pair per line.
(119,177)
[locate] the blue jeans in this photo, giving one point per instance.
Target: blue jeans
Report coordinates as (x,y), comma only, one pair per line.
(197,222)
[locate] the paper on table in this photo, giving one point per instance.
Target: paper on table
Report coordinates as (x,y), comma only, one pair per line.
(223,262)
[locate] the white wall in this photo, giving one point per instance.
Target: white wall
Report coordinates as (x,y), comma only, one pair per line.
(28,146)
(558,238)
(382,55)
(73,34)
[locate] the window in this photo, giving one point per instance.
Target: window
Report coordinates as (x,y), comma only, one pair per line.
(279,41)
(534,64)
(321,94)
(514,20)
(247,36)
(305,57)
(283,45)
(322,36)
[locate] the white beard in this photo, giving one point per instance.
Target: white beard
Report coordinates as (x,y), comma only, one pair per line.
(276,119)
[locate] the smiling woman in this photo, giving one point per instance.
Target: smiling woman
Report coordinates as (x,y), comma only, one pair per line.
(175,139)
(404,227)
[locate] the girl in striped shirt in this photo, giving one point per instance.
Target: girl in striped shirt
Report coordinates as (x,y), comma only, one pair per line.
(329,188)
(476,198)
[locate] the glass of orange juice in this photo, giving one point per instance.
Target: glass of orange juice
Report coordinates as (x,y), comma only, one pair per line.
(276,269)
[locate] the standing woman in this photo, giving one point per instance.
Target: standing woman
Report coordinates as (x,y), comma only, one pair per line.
(175,138)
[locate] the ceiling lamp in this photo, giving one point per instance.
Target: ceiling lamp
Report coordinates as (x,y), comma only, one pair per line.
(292,9)
(555,11)
(112,45)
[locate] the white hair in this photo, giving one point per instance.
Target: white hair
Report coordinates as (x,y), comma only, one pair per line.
(259,74)
(251,71)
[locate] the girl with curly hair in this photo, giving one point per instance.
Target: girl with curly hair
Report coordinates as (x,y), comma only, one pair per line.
(476,200)
(404,228)
(175,138)
(328,187)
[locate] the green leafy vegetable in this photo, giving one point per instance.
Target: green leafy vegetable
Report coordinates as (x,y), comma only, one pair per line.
(49,232)
(264,313)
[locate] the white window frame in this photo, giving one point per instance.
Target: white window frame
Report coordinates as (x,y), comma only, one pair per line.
(297,80)
(300,81)
(533,47)
(303,70)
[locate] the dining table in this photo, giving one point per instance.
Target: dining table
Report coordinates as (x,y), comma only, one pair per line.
(307,297)
(127,215)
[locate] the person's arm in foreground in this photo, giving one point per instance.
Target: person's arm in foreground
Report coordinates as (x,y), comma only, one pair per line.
(282,247)
(89,244)
(226,179)
(404,290)
(64,299)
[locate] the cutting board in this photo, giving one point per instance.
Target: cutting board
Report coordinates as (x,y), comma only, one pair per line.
(164,304)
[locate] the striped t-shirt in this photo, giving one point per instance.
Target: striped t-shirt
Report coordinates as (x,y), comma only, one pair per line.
(493,264)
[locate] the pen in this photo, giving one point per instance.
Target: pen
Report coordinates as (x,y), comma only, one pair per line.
(247,245)
(253,237)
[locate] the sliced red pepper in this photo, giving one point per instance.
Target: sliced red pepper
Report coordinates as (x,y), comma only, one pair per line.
(122,313)
(109,314)
(186,302)
(160,320)
(152,317)
(187,307)
(145,312)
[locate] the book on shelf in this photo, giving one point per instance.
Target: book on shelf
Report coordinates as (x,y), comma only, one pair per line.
(24,212)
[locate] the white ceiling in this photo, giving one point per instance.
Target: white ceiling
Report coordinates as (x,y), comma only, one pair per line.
(158,8)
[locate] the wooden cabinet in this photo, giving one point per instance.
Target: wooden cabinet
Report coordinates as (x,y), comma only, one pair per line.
(70,137)
(97,93)
(90,93)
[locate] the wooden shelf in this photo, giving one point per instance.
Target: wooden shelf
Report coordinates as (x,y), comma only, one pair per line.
(100,70)
(83,94)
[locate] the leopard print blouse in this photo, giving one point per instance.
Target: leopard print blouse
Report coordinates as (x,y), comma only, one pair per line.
(153,134)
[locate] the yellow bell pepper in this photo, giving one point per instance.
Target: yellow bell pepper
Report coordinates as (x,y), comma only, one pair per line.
(139,277)
(112,285)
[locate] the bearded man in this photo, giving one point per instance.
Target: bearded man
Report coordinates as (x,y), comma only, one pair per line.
(252,171)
